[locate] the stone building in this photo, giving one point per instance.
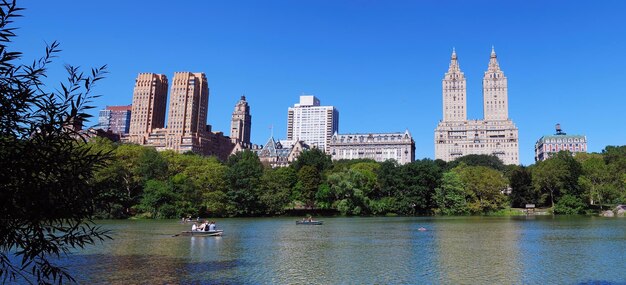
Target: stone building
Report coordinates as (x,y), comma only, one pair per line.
(495,134)
(274,154)
(377,146)
(241,123)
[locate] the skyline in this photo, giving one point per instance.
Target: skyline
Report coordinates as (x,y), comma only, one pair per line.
(562,60)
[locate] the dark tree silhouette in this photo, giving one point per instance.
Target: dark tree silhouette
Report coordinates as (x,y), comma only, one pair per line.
(46,198)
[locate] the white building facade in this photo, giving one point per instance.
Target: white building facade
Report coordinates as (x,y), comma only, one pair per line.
(379,147)
(496,134)
(311,123)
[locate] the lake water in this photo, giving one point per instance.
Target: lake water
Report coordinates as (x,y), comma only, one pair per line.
(379,250)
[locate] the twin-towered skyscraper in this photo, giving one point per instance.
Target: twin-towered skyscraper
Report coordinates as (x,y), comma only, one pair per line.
(496,134)
(187,128)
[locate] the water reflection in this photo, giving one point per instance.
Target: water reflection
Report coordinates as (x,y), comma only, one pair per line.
(467,250)
(479,252)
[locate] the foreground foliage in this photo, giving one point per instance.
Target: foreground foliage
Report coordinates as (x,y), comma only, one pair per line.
(46,179)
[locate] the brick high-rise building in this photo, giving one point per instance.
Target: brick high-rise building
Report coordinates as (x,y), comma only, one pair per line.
(187,128)
(189,104)
(496,134)
(148,108)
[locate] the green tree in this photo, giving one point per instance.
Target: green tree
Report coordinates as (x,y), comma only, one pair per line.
(127,167)
(315,158)
(309,179)
(277,185)
(490,161)
(243,176)
(151,165)
(596,178)
(615,158)
(419,180)
(569,205)
(349,188)
(46,179)
(522,190)
(450,197)
(188,197)
(389,179)
(324,197)
(111,200)
(484,187)
(158,199)
(209,178)
(557,176)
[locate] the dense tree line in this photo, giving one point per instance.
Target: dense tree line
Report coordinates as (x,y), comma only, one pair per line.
(140,181)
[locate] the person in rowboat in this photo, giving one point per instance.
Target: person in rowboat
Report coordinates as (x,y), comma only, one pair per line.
(204,226)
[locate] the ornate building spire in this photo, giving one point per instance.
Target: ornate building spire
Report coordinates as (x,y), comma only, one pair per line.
(241,123)
(454,63)
(495,94)
(493,61)
(454,91)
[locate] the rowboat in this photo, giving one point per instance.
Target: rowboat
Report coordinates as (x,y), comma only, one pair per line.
(202,233)
(309,222)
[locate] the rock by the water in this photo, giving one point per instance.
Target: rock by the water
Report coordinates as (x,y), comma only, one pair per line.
(607,213)
(620,212)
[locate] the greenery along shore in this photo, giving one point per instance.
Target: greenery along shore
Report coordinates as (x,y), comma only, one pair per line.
(139,181)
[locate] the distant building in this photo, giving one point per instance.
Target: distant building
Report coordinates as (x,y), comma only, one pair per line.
(241,123)
(186,121)
(314,124)
(217,144)
(92,133)
(273,154)
(186,129)
(148,108)
(377,146)
(496,134)
(115,119)
(548,145)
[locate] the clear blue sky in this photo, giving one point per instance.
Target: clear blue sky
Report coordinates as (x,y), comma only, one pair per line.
(379,62)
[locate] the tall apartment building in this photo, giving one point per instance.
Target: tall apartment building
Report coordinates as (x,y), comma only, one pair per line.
(314,124)
(148,108)
(548,145)
(241,123)
(379,147)
(496,134)
(115,119)
(454,92)
(187,128)
(187,117)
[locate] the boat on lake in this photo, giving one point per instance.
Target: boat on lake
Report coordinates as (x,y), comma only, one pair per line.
(309,222)
(202,233)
